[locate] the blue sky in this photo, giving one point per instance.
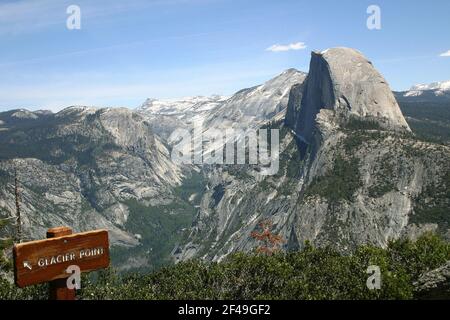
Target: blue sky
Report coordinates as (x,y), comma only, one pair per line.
(127,51)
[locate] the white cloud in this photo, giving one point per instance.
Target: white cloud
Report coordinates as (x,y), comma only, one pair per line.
(287,47)
(445,54)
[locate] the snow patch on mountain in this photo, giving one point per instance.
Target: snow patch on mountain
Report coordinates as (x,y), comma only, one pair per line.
(439,88)
(181,107)
(24,114)
(247,108)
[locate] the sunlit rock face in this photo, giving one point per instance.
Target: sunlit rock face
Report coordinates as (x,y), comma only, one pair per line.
(343,80)
(351,172)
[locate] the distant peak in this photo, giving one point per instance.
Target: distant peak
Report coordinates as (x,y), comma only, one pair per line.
(76,110)
(442,85)
(290,70)
(212,97)
(288,75)
(24,114)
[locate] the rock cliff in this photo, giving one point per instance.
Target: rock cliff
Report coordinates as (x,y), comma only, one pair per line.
(350,172)
(344,81)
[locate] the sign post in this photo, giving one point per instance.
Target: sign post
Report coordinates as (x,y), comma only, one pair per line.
(57,289)
(48,260)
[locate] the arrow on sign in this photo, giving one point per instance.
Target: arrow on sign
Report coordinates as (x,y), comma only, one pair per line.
(47,260)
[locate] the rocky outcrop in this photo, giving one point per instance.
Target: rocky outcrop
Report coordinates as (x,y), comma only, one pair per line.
(344,81)
(253,107)
(80,167)
(165,116)
(247,108)
(434,284)
(351,172)
(94,168)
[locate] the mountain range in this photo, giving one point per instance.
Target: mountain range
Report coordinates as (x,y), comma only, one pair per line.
(353,168)
(438,90)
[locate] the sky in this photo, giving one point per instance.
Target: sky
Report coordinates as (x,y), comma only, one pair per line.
(127,51)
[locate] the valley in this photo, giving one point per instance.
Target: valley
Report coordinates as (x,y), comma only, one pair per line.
(358,165)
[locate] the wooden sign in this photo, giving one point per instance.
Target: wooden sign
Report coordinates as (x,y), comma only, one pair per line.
(47,260)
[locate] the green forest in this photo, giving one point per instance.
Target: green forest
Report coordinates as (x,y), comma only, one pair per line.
(309,274)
